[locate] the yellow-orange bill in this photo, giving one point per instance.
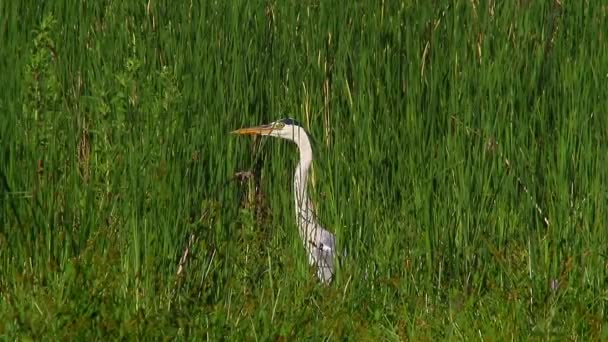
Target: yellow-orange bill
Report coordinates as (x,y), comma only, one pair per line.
(254,130)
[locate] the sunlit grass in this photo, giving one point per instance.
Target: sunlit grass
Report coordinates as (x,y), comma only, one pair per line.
(460,159)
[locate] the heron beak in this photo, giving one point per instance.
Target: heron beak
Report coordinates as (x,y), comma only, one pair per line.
(262,130)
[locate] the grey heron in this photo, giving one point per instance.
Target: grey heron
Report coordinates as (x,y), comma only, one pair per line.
(320,244)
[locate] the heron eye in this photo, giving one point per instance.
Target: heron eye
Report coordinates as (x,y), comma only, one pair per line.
(279,125)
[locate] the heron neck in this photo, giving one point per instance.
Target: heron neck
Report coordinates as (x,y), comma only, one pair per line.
(304,210)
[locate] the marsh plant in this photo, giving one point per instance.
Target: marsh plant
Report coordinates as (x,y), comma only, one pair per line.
(460,158)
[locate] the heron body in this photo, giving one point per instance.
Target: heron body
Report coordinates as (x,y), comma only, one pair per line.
(319,243)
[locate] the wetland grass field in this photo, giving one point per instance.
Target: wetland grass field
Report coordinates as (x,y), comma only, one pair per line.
(461,153)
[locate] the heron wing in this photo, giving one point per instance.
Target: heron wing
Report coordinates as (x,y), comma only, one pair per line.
(322,250)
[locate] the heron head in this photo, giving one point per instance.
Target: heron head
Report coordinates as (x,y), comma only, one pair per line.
(287,128)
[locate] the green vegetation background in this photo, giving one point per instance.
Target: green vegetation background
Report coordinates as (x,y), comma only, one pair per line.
(460,158)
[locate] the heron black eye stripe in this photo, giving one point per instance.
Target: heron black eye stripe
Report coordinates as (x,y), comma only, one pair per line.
(290,121)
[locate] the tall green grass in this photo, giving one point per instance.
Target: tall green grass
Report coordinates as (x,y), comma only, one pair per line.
(460,159)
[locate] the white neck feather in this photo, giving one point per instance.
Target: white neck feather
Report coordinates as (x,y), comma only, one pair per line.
(304,209)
